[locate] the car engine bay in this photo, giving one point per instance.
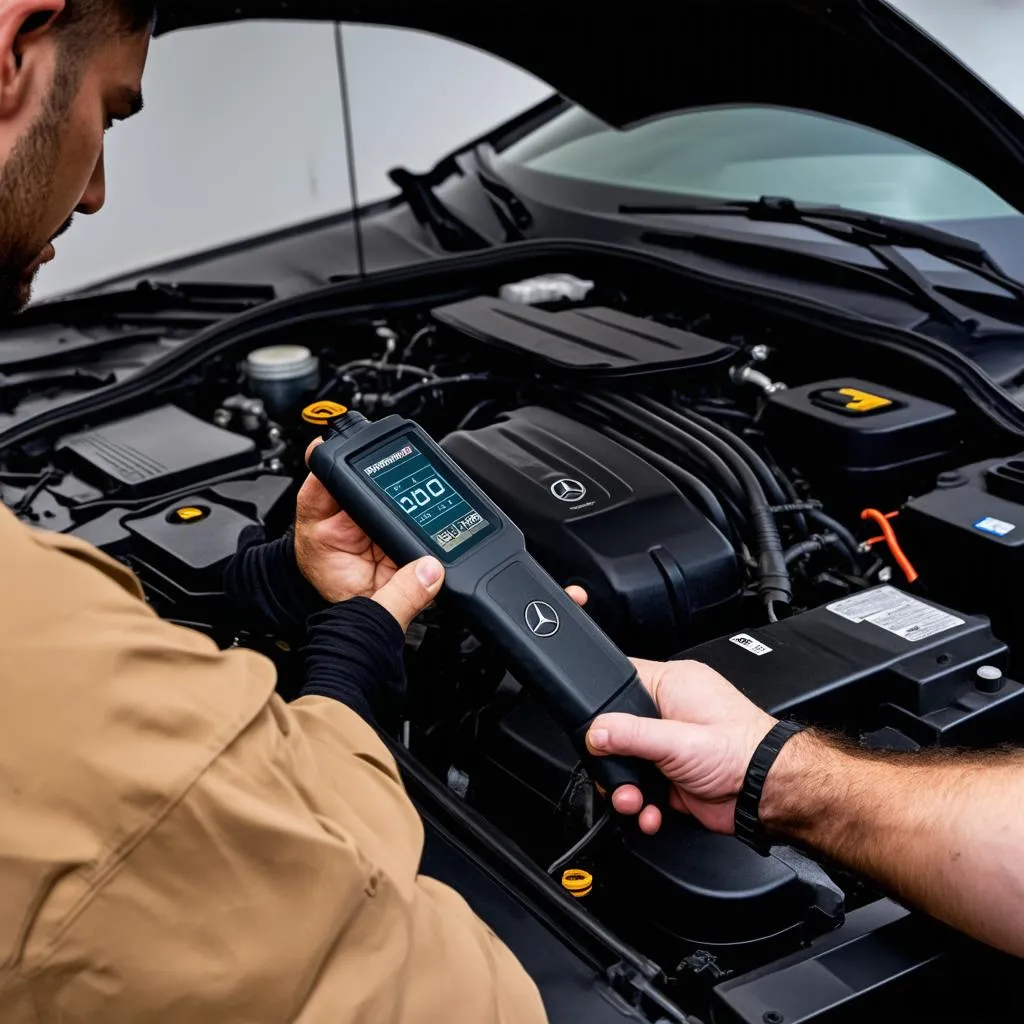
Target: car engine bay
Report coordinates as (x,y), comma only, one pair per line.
(830,530)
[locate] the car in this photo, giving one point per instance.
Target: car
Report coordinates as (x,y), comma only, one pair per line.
(731,327)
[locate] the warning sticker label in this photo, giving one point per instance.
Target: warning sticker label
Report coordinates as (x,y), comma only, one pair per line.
(748,643)
(897,613)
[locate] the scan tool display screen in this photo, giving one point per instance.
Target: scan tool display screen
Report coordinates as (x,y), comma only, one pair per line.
(412,484)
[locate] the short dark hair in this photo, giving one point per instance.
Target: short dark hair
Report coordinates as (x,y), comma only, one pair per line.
(81,25)
(109,15)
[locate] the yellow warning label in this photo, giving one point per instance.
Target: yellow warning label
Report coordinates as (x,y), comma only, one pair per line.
(319,414)
(863,401)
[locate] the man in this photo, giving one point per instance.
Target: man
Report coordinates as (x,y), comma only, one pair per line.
(177,845)
(940,830)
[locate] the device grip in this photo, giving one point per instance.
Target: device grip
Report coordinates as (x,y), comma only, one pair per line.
(614,771)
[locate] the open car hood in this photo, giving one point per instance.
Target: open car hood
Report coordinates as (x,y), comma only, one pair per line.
(856,59)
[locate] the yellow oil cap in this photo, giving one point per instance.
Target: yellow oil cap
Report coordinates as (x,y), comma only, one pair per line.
(189,514)
(578,883)
(864,401)
(319,414)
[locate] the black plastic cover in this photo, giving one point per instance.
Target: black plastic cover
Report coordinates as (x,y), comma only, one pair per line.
(881,661)
(867,438)
(966,539)
(156,452)
(596,342)
(597,515)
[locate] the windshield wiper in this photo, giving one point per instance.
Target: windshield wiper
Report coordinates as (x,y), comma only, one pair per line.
(450,232)
(880,235)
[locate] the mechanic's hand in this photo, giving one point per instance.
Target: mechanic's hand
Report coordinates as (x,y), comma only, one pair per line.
(333,553)
(703,742)
(342,562)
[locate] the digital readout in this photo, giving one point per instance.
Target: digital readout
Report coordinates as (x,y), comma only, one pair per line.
(413,484)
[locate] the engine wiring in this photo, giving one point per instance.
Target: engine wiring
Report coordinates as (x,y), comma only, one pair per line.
(577,848)
(883,521)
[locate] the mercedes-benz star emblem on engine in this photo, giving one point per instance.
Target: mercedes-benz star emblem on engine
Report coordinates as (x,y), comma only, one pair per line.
(542,620)
(569,491)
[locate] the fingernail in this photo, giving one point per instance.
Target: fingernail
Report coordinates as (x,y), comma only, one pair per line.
(599,739)
(429,571)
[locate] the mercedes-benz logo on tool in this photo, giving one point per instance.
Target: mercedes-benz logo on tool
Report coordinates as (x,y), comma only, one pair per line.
(569,491)
(542,620)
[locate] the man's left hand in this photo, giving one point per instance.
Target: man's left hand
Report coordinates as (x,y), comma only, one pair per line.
(333,553)
(342,562)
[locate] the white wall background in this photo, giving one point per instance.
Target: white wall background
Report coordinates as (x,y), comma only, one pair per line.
(243,133)
(243,128)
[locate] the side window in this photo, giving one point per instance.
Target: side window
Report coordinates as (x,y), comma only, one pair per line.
(243,134)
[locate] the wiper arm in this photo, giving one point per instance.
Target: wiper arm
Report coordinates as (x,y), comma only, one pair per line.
(450,232)
(879,234)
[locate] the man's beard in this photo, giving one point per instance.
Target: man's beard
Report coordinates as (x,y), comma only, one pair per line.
(26,182)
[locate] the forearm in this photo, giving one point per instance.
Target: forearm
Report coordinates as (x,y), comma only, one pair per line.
(266,588)
(354,656)
(943,832)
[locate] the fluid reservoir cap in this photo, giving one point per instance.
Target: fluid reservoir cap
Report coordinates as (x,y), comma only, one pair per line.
(989,679)
(281,362)
(319,414)
(189,514)
(578,883)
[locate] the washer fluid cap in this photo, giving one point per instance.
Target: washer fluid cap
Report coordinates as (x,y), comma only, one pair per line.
(281,362)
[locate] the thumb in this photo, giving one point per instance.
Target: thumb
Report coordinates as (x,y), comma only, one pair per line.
(652,739)
(411,590)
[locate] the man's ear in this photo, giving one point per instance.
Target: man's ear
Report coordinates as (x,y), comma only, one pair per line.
(23,24)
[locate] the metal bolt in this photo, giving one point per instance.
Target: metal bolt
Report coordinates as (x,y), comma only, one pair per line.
(759,353)
(222,417)
(274,434)
(772,1017)
(275,466)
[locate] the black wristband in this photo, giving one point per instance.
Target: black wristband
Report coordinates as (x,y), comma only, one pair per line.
(747,823)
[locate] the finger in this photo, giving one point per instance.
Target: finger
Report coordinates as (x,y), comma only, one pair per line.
(653,739)
(649,820)
(676,802)
(314,503)
(579,595)
(313,445)
(628,800)
(411,590)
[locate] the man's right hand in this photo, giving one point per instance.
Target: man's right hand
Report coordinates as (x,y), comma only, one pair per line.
(703,742)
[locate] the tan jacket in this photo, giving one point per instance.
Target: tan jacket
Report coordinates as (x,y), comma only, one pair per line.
(179,845)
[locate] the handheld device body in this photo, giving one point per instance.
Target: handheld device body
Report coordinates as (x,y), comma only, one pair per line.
(409,496)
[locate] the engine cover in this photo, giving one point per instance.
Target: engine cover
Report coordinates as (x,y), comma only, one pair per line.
(596,515)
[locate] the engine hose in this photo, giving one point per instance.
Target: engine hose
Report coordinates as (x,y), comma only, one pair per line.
(773,488)
(692,486)
(849,542)
(659,431)
(773,575)
(810,546)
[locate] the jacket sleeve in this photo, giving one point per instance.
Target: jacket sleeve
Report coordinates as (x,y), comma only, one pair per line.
(265,586)
(283,886)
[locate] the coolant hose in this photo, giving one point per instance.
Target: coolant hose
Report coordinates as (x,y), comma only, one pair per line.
(774,583)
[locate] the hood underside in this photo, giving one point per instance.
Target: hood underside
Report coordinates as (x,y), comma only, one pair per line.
(855,59)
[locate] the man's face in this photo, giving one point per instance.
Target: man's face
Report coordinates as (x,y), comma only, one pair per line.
(54,159)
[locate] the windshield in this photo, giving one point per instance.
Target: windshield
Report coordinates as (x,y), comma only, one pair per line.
(748,152)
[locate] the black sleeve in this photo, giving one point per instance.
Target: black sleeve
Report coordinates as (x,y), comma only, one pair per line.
(354,656)
(266,587)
